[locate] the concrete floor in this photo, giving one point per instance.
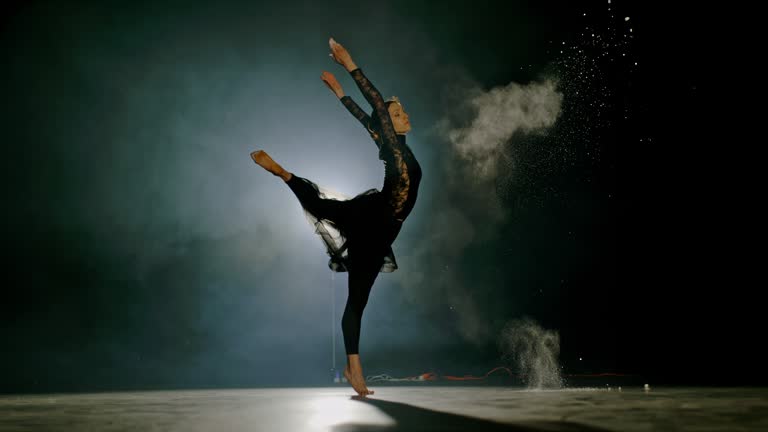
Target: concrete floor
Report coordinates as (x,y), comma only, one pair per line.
(392,408)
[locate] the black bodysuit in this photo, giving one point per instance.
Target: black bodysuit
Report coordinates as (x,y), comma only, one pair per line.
(365,226)
(402,173)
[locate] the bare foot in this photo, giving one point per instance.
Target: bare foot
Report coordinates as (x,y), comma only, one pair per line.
(262,158)
(355,369)
(354,382)
(357,381)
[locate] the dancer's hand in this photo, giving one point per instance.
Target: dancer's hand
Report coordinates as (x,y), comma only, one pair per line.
(340,55)
(332,84)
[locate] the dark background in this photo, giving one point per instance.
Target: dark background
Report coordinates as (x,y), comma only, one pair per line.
(144,250)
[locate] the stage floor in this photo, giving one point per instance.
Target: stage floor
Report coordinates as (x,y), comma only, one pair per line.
(433,408)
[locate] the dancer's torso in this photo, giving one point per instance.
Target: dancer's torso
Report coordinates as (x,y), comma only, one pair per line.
(402,173)
(402,176)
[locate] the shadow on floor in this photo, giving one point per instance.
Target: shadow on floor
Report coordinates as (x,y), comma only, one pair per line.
(410,419)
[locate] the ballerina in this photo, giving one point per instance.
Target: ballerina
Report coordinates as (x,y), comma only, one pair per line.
(358,233)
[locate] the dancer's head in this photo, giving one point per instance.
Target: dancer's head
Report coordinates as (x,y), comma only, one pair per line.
(400,119)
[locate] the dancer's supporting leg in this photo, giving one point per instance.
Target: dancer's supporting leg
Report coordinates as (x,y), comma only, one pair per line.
(362,274)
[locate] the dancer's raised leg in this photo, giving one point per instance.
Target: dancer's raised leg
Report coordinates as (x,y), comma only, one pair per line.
(262,158)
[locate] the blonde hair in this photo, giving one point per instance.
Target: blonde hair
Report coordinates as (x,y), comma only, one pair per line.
(393,99)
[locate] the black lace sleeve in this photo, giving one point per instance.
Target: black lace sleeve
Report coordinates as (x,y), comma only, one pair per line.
(372,95)
(356,111)
(361,116)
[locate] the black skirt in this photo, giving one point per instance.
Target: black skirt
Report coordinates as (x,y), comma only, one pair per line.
(360,228)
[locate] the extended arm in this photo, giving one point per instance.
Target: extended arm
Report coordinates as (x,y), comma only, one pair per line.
(356,111)
(371,94)
(347,101)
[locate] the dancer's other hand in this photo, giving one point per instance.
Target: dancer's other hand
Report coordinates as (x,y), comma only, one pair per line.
(332,84)
(340,55)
